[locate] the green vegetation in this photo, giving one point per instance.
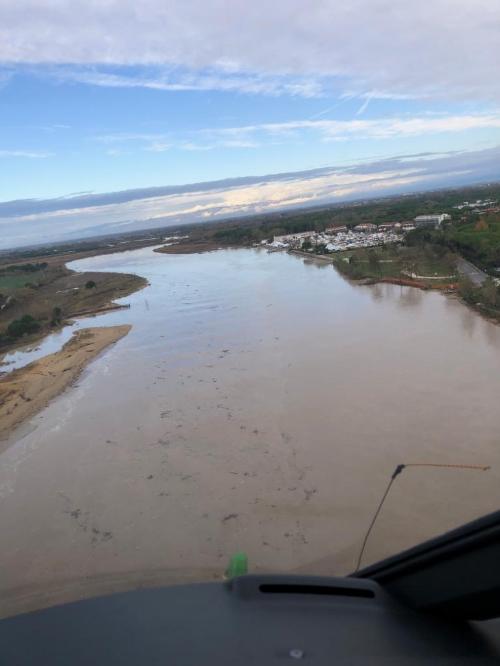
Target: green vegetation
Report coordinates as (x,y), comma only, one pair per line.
(56,316)
(477,238)
(263,229)
(26,325)
(478,241)
(422,263)
(12,282)
(19,275)
(24,268)
(391,209)
(485,298)
(58,294)
(428,253)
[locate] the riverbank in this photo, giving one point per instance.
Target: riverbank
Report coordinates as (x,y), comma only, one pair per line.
(189,247)
(26,391)
(473,288)
(409,282)
(419,267)
(345,268)
(310,255)
(50,295)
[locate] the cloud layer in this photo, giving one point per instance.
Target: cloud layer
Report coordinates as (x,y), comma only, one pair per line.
(28,221)
(251,136)
(372,47)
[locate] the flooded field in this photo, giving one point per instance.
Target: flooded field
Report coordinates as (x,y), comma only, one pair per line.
(259,403)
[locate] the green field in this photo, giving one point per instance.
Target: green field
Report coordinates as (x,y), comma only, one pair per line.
(12,281)
(17,276)
(478,241)
(397,262)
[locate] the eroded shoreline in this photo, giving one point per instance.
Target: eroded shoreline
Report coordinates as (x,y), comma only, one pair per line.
(59,295)
(26,391)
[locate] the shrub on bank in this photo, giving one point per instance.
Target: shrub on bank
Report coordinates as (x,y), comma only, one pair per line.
(24,326)
(56,316)
(487,295)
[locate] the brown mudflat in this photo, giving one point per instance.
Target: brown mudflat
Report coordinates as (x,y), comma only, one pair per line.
(27,390)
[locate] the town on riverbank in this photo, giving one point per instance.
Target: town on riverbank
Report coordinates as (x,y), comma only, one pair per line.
(339,238)
(457,251)
(371,252)
(447,240)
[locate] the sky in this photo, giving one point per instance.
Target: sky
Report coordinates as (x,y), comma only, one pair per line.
(117,114)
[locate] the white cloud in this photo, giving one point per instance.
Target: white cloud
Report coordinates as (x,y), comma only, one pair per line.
(381,128)
(190,145)
(263,194)
(178,80)
(120,137)
(116,152)
(444,48)
(30,154)
(240,143)
(251,136)
(88,214)
(159,147)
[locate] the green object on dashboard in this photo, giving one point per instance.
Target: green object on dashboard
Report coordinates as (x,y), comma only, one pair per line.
(238,565)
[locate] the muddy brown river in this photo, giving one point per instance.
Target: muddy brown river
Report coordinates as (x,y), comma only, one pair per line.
(260,403)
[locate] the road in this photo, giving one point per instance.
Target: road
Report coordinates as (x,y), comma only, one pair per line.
(470,271)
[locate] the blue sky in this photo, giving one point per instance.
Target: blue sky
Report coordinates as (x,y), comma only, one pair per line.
(105,97)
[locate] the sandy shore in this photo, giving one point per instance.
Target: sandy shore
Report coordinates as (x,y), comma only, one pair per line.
(26,391)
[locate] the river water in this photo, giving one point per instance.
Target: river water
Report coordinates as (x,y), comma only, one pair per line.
(260,403)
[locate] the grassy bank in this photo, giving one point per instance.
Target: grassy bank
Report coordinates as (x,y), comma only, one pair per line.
(39,297)
(425,267)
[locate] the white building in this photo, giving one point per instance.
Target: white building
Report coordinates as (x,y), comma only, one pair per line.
(431,220)
(293,238)
(336,230)
(366,227)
